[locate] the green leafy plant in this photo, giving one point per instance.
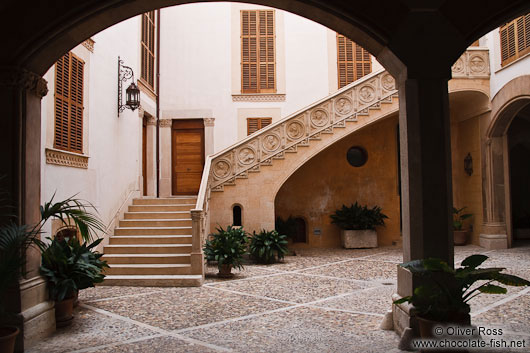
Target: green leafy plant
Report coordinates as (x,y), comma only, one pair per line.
(357,217)
(445,292)
(69,266)
(266,246)
(458,218)
(227,247)
(287,226)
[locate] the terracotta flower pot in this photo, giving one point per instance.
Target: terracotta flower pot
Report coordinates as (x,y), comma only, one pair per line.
(225,271)
(460,237)
(64,312)
(426,328)
(8,336)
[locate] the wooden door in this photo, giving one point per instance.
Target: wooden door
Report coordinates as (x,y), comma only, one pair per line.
(187,143)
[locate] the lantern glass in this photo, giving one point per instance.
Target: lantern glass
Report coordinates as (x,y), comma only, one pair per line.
(133,96)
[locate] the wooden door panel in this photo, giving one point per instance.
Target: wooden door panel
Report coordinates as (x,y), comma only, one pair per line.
(187,157)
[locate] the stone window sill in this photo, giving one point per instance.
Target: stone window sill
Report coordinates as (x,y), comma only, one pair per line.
(259,97)
(66,159)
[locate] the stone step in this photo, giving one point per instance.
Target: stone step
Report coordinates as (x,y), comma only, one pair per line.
(161,208)
(149,269)
(147,258)
(166,201)
(149,239)
(153,280)
(153,231)
(148,249)
(155,223)
(158,215)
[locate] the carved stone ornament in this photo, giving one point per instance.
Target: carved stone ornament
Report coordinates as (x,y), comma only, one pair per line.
(295,130)
(221,169)
(165,122)
(260,97)
(477,64)
(246,155)
(66,159)
(209,121)
(24,79)
(89,44)
(319,117)
(388,82)
(271,143)
(367,94)
(141,112)
(458,66)
(343,105)
(151,120)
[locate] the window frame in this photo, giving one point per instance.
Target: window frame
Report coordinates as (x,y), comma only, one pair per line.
(260,121)
(354,62)
(518,39)
(148,49)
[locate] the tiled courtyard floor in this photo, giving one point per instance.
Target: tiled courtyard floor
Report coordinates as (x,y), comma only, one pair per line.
(318,301)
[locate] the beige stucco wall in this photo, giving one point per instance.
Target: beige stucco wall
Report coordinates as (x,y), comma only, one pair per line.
(328,181)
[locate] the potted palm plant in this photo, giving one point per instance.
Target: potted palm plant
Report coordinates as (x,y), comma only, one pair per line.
(460,235)
(443,297)
(267,247)
(227,247)
(358,224)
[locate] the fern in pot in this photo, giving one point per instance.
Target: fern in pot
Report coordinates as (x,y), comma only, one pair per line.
(358,225)
(227,247)
(268,246)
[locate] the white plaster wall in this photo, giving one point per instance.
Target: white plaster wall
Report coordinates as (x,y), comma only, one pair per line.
(113,144)
(502,75)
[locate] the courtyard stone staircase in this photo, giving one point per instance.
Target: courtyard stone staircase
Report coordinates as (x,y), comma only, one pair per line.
(152,245)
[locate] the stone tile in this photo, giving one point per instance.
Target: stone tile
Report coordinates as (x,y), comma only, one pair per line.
(89,329)
(461,252)
(302,330)
(513,316)
(105,292)
(373,300)
(177,308)
(293,287)
(166,344)
(483,300)
(248,271)
(359,270)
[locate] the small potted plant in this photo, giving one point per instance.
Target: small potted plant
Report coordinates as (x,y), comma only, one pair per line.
(443,298)
(358,224)
(227,247)
(460,235)
(267,247)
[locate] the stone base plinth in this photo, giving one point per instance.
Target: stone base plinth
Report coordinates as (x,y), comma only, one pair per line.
(494,241)
(358,239)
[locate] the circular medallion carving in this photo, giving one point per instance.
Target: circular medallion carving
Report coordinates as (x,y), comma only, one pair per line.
(246,155)
(295,130)
(367,94)
(343,105)
(221,169)
(458,66)
(319,117)
(477,64)
(271,143)
(388,82)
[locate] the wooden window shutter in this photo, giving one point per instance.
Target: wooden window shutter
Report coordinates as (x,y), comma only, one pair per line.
(148,49)
(258,53)
(255,124)
(69,86)
(353,61)
(515,39)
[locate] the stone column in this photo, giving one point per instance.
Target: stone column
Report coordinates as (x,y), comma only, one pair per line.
(425,179)
(208,136)
(494,231)
(197,256)
(21,93)
(165,157)
(151,155)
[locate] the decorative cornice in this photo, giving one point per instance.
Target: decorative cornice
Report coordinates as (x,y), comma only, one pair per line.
(16,77)
(258,97)
(89,44)
(209,121)
(165,122)
(65,158)
(151,120)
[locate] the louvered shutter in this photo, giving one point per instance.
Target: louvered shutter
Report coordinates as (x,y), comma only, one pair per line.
(255,124)
(148,49)
(69,76)
(353,61)
(258,56)
(515,39)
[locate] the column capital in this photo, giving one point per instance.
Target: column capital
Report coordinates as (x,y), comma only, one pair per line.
(209,121)
(151,120)
(12,76)
(165,122)
(197,215)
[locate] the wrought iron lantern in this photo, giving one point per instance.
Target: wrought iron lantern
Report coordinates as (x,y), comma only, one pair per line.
(132,93)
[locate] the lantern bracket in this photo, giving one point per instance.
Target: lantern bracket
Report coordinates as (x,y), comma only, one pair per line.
(125,73)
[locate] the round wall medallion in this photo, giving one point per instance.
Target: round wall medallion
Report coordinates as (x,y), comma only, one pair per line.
(367,94)
(221,169)
(458,66)
(357,156)
(295,130)
(477,64)
(246,155)
(271,143)
(319,117)
(388,82)
(343,105)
